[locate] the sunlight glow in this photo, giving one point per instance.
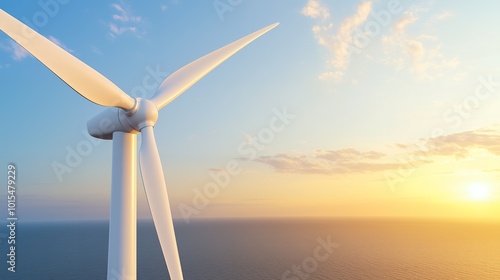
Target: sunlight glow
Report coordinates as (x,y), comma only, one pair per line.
(479,191)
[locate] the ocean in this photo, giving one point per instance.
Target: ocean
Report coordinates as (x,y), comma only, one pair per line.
(282,249)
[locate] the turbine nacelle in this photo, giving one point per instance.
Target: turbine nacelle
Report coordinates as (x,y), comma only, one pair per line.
(143,114)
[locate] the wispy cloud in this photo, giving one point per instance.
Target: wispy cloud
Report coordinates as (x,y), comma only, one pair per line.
(216,169)
(337,41)
(348,161)
(344,37)
(329,162)
(124,15)
(17,52)
(295,163)
(314,9)
(168,6)
(444,16)
(463,144)
(95,50)
(124,20)
(421,53)
(406,45)
(400,26)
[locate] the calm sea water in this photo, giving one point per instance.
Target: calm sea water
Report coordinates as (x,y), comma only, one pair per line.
(270,249)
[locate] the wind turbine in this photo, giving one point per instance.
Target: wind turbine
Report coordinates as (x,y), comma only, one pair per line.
(127,117)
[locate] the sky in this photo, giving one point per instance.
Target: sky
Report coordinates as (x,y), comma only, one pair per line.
(346,109)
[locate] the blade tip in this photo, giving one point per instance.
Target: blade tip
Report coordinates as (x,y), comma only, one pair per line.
(270,27)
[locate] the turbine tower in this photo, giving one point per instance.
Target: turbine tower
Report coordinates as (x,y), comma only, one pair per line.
(126,118)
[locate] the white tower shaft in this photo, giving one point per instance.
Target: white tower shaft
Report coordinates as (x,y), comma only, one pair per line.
(122,247)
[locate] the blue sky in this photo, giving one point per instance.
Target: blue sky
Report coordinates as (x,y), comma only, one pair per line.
(358,105)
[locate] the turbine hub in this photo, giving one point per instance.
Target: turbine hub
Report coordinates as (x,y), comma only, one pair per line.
(146,114)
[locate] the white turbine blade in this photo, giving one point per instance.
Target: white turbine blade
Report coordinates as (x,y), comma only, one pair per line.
(182,79)
(83,79)
(156,192)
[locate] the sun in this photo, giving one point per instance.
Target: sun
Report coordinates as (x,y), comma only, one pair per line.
(479,191)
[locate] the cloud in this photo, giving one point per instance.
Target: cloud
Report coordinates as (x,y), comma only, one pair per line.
(415,50)
(463,144)
(348,154)
(344,37)
(347,26)
(444,16)
(400,26)
(428,37)
(15,50)
(315,10)
(335,76)
(216,169)
(329,162)
(124,15)
(168,6)
(338,41)
(124,20)
(118,30)
(18,52)
(405,46)
(290,163)
(95,50)
(350,161)
(421,53)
